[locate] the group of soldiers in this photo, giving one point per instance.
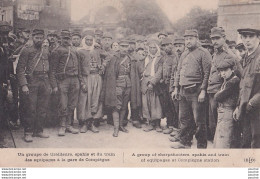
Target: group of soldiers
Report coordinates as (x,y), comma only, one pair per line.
(203,89)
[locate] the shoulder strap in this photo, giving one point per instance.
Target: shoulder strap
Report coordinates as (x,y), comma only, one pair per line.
(123,60)
(67,61)
(38,60)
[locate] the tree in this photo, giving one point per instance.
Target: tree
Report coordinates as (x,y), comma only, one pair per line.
(197,18)
(144,17)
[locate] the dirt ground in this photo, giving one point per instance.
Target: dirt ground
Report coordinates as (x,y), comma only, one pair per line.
(136,138)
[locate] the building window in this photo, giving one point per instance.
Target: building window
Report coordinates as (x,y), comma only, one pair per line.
(48,3)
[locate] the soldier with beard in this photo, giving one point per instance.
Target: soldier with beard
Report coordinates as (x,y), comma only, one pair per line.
(32,73)
(76,38)
(90,106)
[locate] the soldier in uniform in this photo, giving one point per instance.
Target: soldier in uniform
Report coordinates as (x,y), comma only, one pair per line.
(5,28)
(192,80)
(98,36)
(170,63)
(53,119)
(249,98)
(90,106)
(33,77)
(214,84)
(52,36)
(135,100)
(64,78)
(179,45)
(76,38)
(162,35)
(117,86)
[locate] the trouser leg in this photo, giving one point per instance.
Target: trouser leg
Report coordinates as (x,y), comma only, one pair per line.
(30,116)
(199,112)
(42,105)
(213,115)
(246,133)
(255,126)
(73,96)
(14,113)
(185,120)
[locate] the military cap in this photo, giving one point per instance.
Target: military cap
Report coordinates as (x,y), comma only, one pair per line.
(163,33)
(12,36)
(76,32)
(139,48)
(179,40)
(225,63)
(123,42)
(217,32)
(231,43)
(248,31)
(98,32)
(38,32)
(5,26)
(240,46)
(65,33)
(107,35)
(26,30)
(206,43)
(52,32)
(153,41)
(88,32)
(192,32)
(166,41)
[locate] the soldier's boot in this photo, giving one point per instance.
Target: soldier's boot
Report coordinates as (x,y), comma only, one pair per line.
(115,115)
(92,126)
(28,137)
(137,124)
(2,142)
(168,130)
(84,127)
(158,125)
(41,135)
(71,129)
(149,127)
(63,126)
(122,123)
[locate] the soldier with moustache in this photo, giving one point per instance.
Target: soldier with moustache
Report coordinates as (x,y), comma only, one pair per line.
(179,45)
(64,73)
(117,87)
(192,80)
(53,118)
(170,63)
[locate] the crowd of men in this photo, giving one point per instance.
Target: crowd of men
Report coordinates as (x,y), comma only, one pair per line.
(210,90)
